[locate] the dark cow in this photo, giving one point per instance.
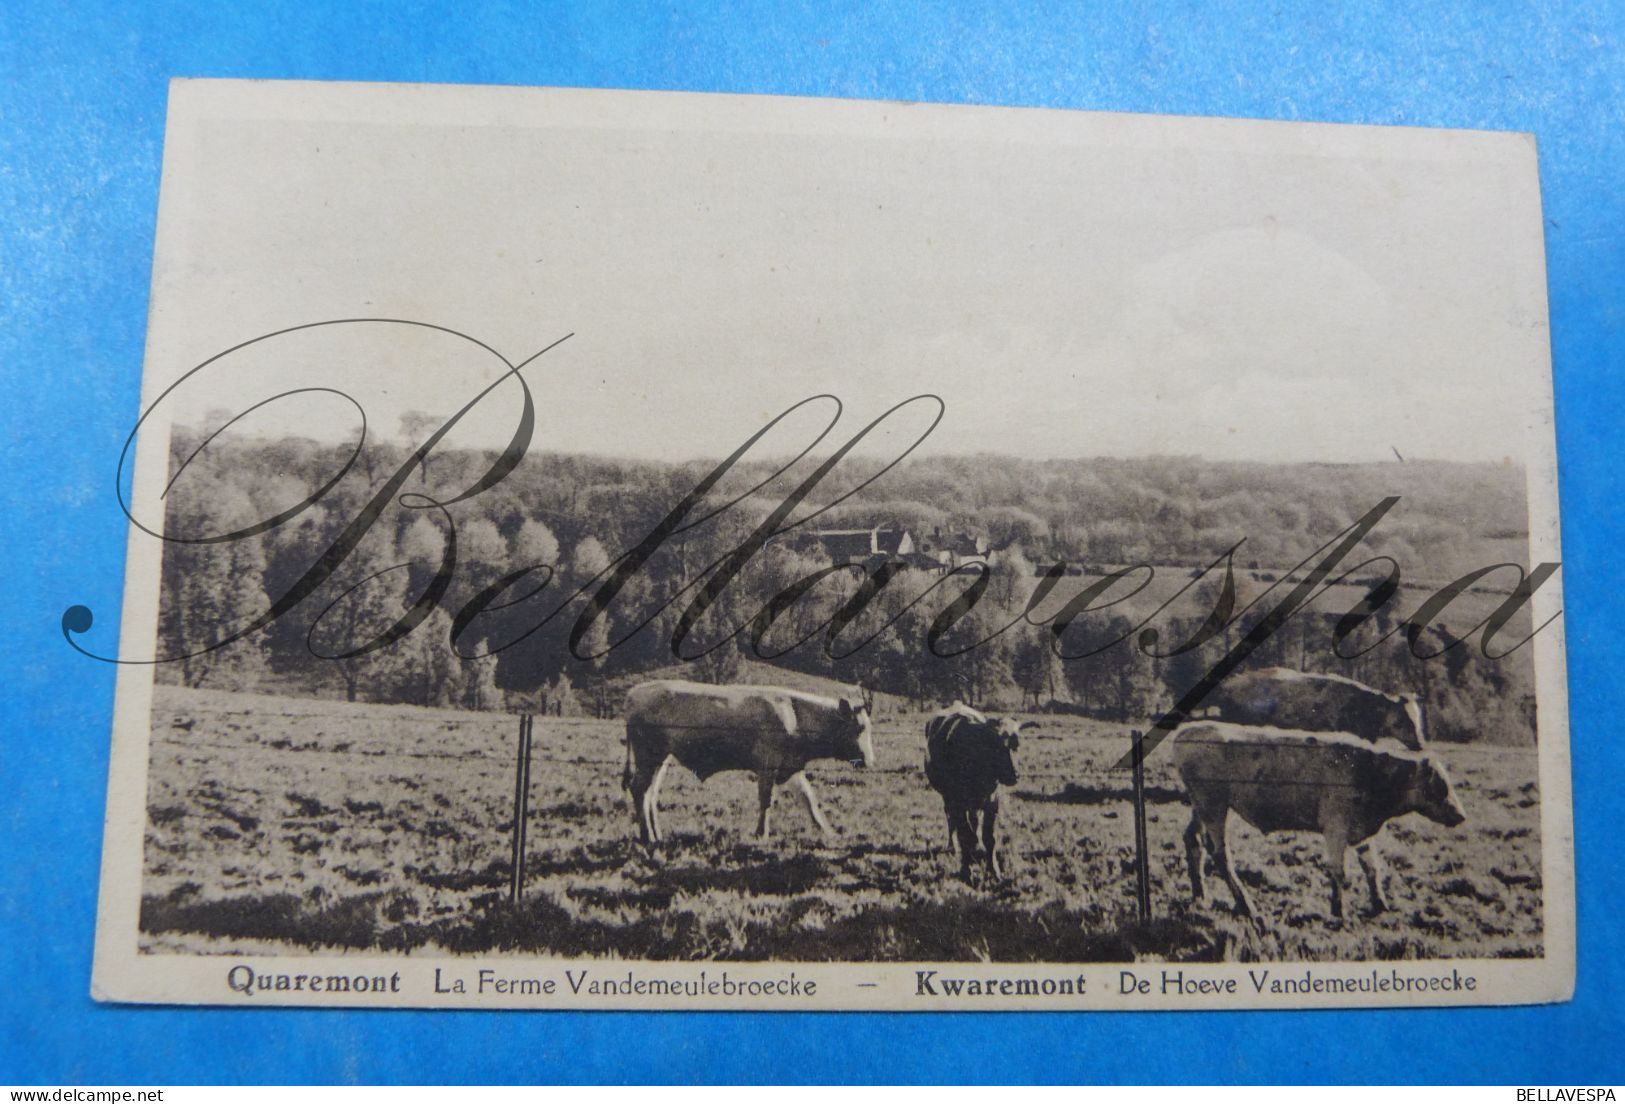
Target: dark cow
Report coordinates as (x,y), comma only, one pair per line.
(1282,780)
(967,758)
(1283,698)
(768,730)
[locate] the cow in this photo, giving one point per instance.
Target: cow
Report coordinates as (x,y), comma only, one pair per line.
(1281,780)
(768,730)
(967,758)
(1280,697)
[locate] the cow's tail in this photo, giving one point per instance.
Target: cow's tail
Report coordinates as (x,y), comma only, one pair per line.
(626,772)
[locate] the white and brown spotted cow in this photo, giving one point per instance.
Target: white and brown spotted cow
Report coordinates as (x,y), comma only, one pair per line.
(768,730)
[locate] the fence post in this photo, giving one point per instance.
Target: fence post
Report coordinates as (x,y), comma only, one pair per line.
(521,807)
(1142,867)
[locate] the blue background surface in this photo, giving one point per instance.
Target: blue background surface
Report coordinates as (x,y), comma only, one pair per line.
(82,97)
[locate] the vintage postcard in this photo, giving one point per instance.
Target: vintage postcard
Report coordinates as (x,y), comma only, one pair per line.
(629,550)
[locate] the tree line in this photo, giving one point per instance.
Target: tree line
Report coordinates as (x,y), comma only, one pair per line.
(568,518)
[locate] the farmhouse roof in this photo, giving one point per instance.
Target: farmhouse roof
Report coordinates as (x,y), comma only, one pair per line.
(856,544)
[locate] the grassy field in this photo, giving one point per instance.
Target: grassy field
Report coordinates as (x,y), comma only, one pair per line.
(280,824)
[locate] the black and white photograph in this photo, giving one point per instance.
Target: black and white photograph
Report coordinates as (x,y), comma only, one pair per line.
(877,556)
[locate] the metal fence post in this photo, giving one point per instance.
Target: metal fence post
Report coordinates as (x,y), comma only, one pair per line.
(521,807)
(1142,867)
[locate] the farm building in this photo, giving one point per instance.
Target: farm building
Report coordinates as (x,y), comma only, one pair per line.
(859,545)
(941,551)
(952,549)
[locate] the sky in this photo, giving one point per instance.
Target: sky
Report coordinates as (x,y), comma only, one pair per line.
(1067,284)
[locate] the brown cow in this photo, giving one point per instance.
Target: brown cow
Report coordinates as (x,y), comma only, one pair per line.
(1284,780)
(967,758)
(769,730)
(1283,698)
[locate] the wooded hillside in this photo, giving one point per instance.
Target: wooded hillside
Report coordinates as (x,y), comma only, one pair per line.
(570,519)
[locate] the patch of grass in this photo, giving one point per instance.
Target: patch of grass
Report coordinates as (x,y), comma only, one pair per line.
(365,849)
(962,929)
(305,843)
(1475,889)
(769,875)
(306,806)
(609,897)
(362,877)
(349,922)
(1074,793)
(495,873)
(566,810)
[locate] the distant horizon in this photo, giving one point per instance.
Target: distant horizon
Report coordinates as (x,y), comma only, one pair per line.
(921,456)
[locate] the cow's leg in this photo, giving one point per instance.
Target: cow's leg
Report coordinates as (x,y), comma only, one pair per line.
(641,811)
(964,822)
(642,780)
(990,813)
(638,788)
(1336,868)
(648,799)
(969,816)
(805,786)
(635,781)
(654,801)
(1371,863)
(764,798)
(1214,822)
(1193,854)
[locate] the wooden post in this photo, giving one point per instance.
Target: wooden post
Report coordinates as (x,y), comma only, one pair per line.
(521,807)
(1142,865)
